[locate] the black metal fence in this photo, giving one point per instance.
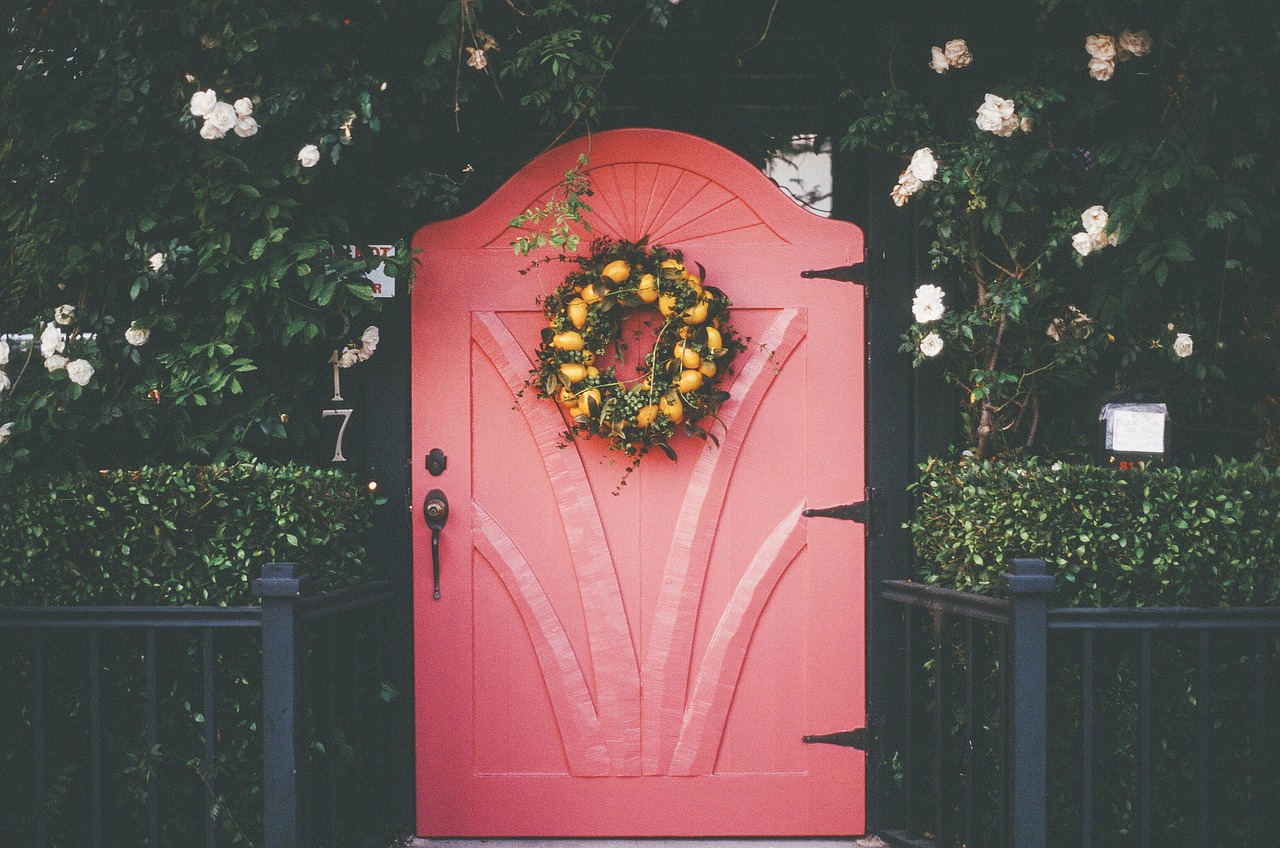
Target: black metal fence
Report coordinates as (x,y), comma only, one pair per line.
(266,725)
(1031,727)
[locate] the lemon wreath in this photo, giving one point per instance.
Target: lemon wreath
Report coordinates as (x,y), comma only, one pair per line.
(677,380)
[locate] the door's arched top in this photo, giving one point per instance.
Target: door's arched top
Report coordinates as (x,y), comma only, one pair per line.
(674,188)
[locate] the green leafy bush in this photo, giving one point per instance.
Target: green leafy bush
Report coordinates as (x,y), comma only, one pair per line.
(1160,536)
(177,535)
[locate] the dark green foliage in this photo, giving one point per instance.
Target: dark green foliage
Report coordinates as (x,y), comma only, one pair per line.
(168,535)
(1160,536)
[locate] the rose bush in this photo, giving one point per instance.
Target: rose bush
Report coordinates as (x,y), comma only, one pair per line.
(1085,204)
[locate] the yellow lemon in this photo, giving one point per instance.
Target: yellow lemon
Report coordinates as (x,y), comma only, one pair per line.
(714,342)
(574,372)
(577,312)
(707,368)
(590,295)
(568,340)
(690,381)
(646,415)
(688,357)
(672,408)
(568,396)
(589,402)
(647,291)
(667,305)
(695,314)
(617,270)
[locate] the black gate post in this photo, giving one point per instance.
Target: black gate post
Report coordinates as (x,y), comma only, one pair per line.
(280,588)
(1029,587)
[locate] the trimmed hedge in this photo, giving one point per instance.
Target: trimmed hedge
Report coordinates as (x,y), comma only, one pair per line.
(1144,537)
(177,535)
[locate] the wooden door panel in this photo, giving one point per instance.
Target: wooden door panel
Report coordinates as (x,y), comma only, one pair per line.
(641,659)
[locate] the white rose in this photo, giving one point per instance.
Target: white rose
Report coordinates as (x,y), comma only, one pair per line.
(157,262)
(370,338)
(1183,345)
(1098,239)
(6,430)
(995,116)
(923,166)
(1102,69)
(957,53)
(1002,107)
(309,156)
(4,352)
(1026,124)
(4,381)
(927,305)
(202,102)
(53,363)
(1082,243)
(80,372)
(243,107)
(1055,329)
(223,116)
(939,61)
(931,345)
(1100,46)
(137,336)
(210,132)
(1094,219)
(349,357)
(246,127)
(1138,43)
(51,340)
(909,182)
(899,194)
(64,314)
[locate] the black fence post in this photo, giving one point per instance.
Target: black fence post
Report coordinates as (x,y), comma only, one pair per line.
(1029,587)
(280,588)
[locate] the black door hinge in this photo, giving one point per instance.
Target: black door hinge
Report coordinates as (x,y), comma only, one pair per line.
(860,738)
(856,273)
(860,511)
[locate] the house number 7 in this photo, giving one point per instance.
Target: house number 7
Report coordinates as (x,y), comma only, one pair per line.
(346,417)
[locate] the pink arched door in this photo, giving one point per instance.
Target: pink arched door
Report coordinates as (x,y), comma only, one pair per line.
(643,660)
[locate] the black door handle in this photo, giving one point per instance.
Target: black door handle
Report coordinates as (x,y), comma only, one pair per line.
(436,512)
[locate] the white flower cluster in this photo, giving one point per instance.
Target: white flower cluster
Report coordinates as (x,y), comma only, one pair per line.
(221,118)
(1095,235)
(955,55)
(351,355)
(927,307)
(1078,325)
(1105,50)
(53,343)
(923,168)
(997,115)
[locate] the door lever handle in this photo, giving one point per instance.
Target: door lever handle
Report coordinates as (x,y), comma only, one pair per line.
(436,512)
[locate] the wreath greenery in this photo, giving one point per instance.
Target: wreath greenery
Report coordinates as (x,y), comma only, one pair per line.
(678,378)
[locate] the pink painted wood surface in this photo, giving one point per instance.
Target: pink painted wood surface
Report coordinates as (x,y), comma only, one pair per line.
(640,660)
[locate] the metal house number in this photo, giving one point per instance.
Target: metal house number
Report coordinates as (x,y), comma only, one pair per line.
(345,413)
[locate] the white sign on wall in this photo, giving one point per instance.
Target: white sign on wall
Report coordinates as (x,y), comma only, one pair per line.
(384,285)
